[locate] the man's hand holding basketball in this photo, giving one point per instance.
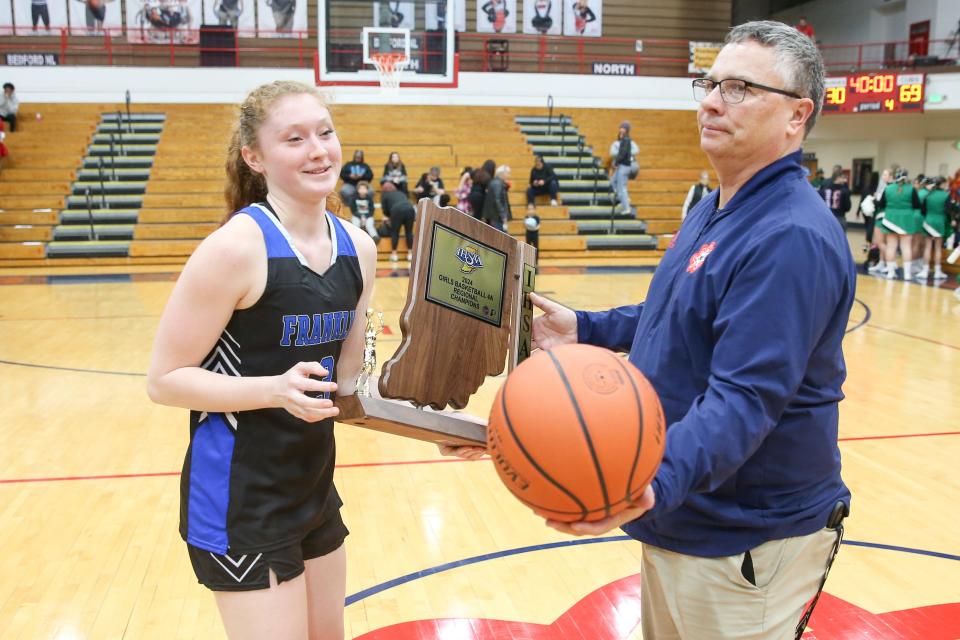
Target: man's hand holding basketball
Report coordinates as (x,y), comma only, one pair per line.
(599,527)
(467,453)
(557,325)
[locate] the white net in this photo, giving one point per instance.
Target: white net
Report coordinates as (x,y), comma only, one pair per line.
(389,66)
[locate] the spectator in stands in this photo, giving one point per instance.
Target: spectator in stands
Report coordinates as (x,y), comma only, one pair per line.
(622,153)
(463,191)
(836,194)
(543,181)
(396,206)
(934,228)
(395,172)
(696,194)
(9,105)
(430,185)
(496,202)
(805,28)
(478,191)
(353,173)
(3,148)
(361,206)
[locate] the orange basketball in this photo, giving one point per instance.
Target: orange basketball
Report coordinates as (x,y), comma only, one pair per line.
(576,433)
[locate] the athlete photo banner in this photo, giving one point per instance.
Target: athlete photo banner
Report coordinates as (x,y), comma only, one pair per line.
(543,17)
(436,12)
(39,17)
(163,21)
(280,18)
(496,16)
(583,18)
(237,14)
(91,17)
(394,15)
(6,18)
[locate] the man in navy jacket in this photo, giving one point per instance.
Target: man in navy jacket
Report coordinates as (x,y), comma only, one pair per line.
(741,336)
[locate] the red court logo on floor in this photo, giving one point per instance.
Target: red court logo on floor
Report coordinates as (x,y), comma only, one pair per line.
(612,612)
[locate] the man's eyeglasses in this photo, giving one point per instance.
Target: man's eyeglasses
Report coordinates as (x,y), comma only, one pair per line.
(732,90)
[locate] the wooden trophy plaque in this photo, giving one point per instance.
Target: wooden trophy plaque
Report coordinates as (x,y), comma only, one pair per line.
(467,316)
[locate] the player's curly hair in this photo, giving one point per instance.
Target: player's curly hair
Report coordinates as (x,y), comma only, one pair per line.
(245,186)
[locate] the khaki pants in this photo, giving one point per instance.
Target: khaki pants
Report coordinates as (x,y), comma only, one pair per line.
(691,598)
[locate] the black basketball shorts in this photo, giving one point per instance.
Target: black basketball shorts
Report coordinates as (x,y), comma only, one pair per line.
(251,571)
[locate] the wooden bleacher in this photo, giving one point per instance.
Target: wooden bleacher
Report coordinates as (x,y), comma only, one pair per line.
(183,201)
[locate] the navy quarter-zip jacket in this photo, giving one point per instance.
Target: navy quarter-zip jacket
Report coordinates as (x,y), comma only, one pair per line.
(741,336)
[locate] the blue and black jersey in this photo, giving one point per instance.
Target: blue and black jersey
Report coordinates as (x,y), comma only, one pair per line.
(259,480)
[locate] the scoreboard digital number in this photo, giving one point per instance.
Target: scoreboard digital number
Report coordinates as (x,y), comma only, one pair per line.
(875,93)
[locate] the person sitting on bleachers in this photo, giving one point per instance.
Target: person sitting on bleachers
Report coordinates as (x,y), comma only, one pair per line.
(430,185)
(3,148)
(361,206)
(395,172)
(478,190)
(696,193)
(352,174)
(543,181)
(9,105)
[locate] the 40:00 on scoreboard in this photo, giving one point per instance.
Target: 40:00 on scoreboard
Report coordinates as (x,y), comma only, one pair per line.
(874,93)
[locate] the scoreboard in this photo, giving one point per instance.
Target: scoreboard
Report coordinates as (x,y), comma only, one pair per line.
(874,93)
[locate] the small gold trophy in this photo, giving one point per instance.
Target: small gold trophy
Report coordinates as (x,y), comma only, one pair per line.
(369,368)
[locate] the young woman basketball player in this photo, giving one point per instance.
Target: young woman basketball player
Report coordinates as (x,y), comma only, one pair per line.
(262,327)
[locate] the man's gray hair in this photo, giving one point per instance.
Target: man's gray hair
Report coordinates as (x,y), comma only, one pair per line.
(798,60)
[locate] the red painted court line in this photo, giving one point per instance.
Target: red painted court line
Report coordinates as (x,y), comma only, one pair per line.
(121,476)
(359,465)
(915,337)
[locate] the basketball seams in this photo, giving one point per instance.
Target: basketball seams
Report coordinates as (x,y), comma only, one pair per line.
(584,429)
(526,454)
(639,400)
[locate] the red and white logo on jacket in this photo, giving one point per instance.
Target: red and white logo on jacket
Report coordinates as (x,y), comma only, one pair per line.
(697,259)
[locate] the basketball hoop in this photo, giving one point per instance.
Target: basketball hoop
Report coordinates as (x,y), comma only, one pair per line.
(389,66)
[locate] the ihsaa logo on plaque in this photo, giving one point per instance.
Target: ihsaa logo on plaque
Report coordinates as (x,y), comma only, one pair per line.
(469,258)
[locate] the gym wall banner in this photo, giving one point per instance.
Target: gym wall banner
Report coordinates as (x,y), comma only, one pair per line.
(543,17)
(394,15)
(6,19)
(159,21)
(446,8)
(42,18)
(278,18)
(237,14)
(496,16)
(91,17)
(583,18)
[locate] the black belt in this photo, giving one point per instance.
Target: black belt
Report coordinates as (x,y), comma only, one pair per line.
(840,511)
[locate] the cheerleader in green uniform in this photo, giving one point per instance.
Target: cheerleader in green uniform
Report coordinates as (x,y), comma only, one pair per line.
(899,204)
(934,228)
(922,186)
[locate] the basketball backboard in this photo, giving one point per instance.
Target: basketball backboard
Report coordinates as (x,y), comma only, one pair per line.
(352,32)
